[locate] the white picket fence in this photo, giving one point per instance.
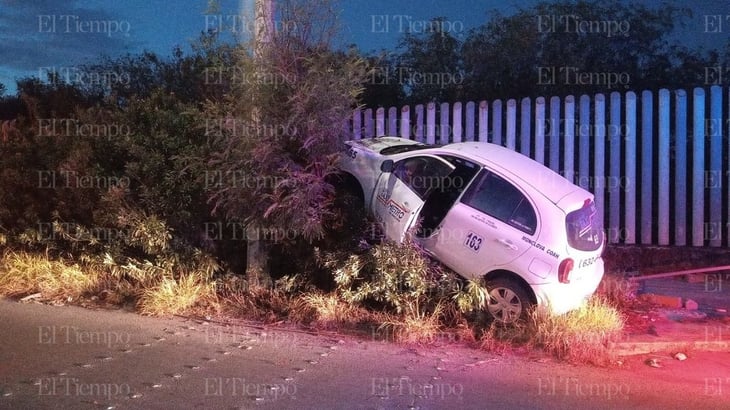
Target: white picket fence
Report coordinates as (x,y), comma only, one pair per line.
(656,162)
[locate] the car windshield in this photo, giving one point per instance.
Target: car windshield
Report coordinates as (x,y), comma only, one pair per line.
(585,228)
(397,149)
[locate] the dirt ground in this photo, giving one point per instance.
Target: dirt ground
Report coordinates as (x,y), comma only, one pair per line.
(642,317)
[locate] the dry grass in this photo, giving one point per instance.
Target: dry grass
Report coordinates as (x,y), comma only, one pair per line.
(331,312)
(415,328)
(258,303)
(499,338)
(617,290)
(178,296)
(581,335)
(23,273)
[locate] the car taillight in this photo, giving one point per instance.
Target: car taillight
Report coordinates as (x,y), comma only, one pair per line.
(566,266)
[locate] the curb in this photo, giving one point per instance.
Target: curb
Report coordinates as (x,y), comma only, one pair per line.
(636,348)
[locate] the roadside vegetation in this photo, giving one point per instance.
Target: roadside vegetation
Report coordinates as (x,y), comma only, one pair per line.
(386,291)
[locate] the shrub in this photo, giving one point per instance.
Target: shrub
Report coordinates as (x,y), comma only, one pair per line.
(419,295)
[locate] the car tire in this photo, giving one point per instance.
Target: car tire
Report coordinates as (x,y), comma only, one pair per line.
(508,301)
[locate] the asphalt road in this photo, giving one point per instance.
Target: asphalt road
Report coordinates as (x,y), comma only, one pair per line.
(75,358)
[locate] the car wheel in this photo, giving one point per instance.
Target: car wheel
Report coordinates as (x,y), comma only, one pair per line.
(508,302)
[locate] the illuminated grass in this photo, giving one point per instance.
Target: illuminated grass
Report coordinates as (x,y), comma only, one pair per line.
(23,274)
(177,296)
(415,328)
(331,311)
(582,335)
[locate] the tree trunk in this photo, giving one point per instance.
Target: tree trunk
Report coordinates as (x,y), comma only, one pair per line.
(257,273)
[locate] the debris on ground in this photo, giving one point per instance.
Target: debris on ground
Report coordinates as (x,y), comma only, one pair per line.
(680,356)
(653,363)
(664,300)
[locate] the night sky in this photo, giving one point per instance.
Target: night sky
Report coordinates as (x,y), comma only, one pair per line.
(39,35)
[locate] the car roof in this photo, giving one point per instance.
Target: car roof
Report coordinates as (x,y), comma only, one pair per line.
(551,184)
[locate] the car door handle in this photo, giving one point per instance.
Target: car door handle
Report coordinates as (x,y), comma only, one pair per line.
(507,243)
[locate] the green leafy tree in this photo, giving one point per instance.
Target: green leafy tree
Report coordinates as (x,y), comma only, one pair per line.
(383,87)
(571,47)
(281,126)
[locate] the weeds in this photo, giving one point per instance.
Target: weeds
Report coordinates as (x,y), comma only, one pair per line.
(416,327)
(178,296)
(581,335)
(24,274)
(331,312)
(617,291)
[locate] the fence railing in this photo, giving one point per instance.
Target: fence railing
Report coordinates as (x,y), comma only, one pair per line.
(656,162)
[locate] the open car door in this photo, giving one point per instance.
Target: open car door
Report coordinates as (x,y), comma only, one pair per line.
(402,189)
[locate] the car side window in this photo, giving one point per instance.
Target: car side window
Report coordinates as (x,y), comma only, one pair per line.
(497,197)
(421,174)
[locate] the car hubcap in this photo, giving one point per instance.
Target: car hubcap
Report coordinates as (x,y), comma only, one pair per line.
(504,305)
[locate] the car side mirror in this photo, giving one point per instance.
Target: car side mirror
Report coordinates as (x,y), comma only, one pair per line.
(387,166)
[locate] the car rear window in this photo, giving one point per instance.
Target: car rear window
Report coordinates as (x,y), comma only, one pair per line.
(585,227)
(498,198)
(397,149)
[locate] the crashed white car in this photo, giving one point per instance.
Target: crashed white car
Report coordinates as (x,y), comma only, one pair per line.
(485,211)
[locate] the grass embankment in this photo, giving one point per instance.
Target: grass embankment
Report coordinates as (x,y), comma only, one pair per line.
(391,292)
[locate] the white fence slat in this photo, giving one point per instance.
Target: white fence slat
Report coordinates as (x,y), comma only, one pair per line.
(539,154)
(419,123)
(569,137)
(483,121)
(356,124)
(584,131)
(444,127)
(554,127)
(369,132)
(393,121)
(511,137)
(630,171)
(457,119)
(614,168)
(431,123)
(714,182)
(647,166)
(727,212)
(470,106)
(663,168)
(680,169)
(497,122)
(698,168)
(599,153)
(405,122)
(525,132)
(380,122)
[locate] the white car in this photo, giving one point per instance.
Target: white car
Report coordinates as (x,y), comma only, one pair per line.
(485,211)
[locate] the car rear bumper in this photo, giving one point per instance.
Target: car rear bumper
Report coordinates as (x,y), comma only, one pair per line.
(564,297)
